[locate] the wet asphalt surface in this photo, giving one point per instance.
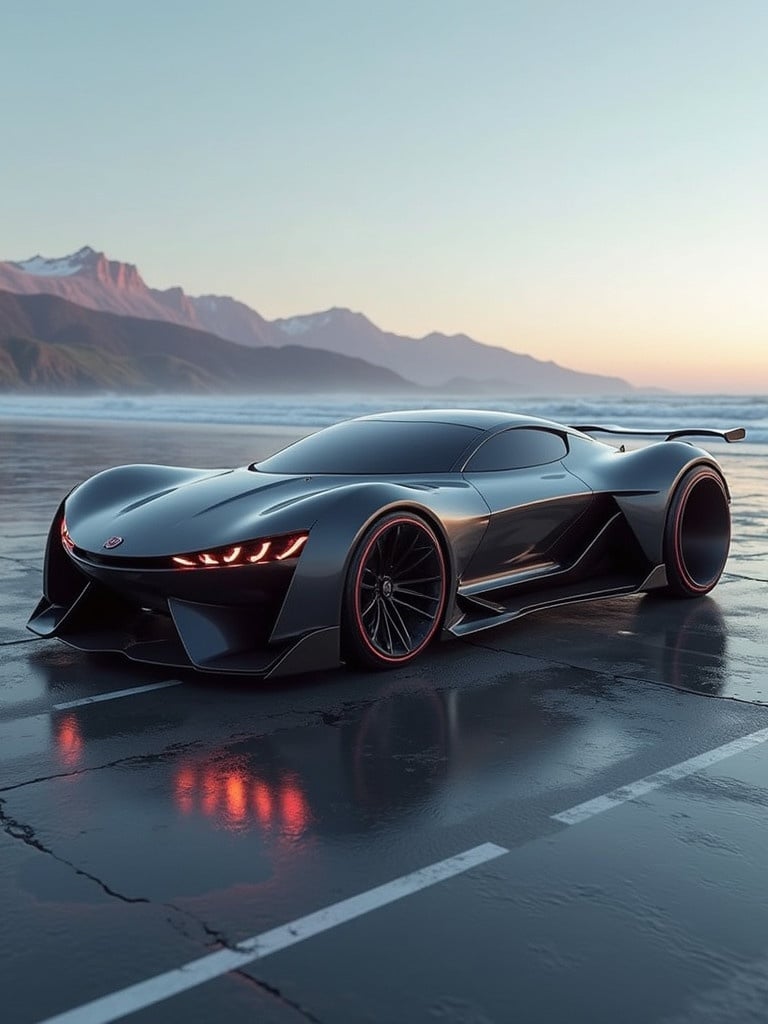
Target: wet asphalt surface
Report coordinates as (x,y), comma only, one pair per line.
(141,833)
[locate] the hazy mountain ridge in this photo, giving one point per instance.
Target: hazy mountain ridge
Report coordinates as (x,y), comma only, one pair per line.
(234,320)
(47,343)
(89,279)
(443,360)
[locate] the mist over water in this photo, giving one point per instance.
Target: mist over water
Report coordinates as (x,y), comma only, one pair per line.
(661,412)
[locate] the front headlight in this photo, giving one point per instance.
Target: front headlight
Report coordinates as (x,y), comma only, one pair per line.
(252,552)
(66,540)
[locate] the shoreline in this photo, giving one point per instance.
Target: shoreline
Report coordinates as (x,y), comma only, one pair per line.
(41,424)
(45,422)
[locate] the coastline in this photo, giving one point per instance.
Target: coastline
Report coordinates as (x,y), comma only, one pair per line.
(45,423)
(309,411)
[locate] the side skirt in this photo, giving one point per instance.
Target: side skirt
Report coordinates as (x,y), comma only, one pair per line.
(586,590)
(611,564)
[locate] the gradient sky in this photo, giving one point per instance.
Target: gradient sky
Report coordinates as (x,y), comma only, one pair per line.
(582,180)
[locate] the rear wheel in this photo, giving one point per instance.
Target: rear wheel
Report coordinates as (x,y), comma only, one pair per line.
(395,593)
(697,534)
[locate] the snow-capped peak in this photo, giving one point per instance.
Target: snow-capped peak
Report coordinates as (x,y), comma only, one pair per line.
(301,324)
(62,266)
(296,325)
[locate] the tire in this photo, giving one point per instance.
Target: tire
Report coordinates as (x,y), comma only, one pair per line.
(395,593)
(697,533)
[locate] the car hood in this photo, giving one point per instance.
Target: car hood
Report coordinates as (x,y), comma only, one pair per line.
(158,510)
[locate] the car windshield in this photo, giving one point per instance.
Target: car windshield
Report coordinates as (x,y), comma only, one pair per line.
(386,447)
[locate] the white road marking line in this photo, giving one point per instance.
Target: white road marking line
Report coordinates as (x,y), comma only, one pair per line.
(580,812)
(115,694)
(163,986)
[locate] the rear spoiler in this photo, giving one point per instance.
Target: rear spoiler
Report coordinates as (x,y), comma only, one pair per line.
(734,434)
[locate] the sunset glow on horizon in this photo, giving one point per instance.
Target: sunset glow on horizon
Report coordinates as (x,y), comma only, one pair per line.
(582,183)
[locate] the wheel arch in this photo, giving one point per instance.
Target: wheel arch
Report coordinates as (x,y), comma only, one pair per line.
(315,594)
(433,520)
(645,508)
(696,543)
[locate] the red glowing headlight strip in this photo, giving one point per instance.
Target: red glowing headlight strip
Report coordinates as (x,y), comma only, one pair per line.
(66,540)
(273,550)
(261,552)
(292,548)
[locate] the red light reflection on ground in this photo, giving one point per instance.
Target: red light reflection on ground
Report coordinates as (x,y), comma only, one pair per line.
(262,802)
(293,809)
(69,740)
(184,789)
(209,797)
(238,797)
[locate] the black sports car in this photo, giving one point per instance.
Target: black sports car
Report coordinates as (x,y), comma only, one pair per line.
(362,542)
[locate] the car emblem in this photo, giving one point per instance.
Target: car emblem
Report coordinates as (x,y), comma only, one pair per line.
(113,542)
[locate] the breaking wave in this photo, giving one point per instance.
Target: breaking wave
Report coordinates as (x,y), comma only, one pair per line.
(656,411)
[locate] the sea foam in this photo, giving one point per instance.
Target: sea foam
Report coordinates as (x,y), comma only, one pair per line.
(659,412)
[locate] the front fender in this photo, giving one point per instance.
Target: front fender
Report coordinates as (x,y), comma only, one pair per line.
(113,486)
(315,594)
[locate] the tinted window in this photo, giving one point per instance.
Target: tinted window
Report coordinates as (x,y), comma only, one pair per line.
(375,446)
(516,449)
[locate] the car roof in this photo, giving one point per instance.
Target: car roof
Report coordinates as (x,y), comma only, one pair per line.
(482,419)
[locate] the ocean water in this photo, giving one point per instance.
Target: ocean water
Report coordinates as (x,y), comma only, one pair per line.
(657,411)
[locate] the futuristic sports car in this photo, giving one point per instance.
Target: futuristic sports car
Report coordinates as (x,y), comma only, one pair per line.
(364,541)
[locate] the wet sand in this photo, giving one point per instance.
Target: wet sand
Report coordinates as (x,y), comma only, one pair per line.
(41,461)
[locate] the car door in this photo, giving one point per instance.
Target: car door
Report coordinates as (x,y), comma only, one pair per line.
(532,497)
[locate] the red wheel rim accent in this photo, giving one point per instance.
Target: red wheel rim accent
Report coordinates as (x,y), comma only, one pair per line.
(680,564)
(400,607)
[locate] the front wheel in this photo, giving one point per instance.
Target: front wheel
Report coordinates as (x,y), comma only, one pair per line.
(395,593)
(697,534)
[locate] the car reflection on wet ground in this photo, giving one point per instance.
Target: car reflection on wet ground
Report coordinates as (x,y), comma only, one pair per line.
(152,822)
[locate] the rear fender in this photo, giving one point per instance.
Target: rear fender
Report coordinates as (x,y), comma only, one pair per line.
(642,483)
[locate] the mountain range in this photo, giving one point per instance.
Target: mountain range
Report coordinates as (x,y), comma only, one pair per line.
(49,344)
(89,280)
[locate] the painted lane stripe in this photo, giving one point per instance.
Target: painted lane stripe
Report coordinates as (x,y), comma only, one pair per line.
(580,812)
(97,698)
(196,972)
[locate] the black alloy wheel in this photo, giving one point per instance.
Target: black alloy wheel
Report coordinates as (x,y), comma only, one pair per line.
(395,593)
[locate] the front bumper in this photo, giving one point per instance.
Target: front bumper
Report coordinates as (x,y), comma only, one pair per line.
(208,638)
(212,620)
